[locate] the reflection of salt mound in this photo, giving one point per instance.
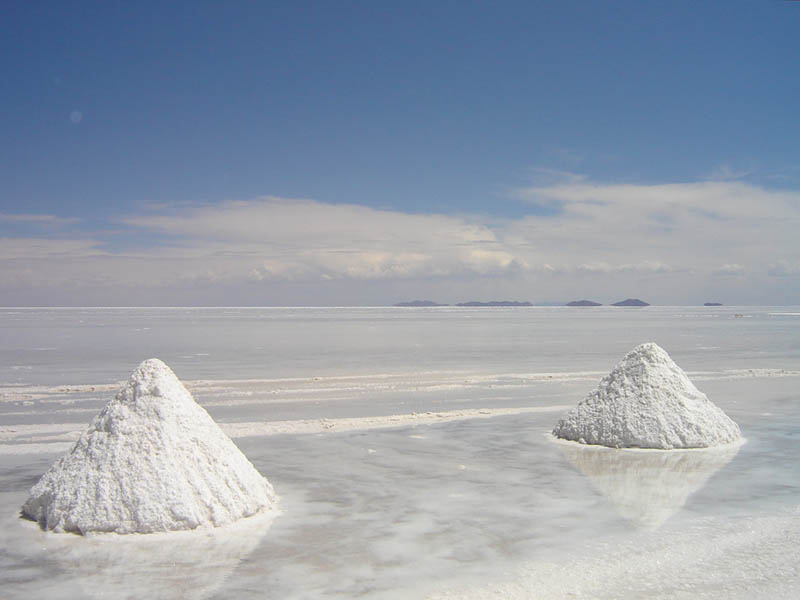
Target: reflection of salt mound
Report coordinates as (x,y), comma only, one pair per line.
(152,460)
(647,401)
(647,487)
(162,566)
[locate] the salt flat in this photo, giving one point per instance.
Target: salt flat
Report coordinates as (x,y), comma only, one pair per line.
(410,450)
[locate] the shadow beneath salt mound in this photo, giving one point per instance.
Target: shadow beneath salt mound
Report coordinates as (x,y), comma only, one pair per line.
(647,487)
(159,566)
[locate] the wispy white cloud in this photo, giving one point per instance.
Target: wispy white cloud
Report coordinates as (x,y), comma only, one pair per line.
(683,225)
(37,219)
(724,238)
(729,270)
(725,172)
(783,268)
(641,267)
(305,240)
(13,249)
(545,176)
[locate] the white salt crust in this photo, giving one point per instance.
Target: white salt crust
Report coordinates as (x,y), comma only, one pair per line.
(647,401)
(152,460)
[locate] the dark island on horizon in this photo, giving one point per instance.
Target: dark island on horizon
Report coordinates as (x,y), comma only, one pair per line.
(579,303)
(631,302)
(495,303)
(427,303)
(418,303)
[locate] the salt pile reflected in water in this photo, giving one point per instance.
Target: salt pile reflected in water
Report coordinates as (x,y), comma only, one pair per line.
(487,508)
(647,487)
(162,566)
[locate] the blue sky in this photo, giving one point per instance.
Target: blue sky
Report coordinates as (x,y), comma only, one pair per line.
(369,152)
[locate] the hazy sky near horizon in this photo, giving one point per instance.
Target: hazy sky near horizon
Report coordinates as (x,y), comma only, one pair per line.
(312,153)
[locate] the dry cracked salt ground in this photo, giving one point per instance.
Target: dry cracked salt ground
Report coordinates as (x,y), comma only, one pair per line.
(647,401)
(153,460)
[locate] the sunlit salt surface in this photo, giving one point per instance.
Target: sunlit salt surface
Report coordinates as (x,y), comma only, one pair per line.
(412,454)
(647,401)
(152,460)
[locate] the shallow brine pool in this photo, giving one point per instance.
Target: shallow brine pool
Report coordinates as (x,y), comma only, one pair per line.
(411,452)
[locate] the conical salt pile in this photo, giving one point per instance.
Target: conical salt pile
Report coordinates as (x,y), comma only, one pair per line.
(152,460)
(647,401)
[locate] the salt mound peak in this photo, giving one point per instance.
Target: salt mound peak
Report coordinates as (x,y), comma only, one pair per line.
(647,401)
(152,460)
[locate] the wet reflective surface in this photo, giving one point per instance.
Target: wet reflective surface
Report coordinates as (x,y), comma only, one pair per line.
(647,486)
(471,508)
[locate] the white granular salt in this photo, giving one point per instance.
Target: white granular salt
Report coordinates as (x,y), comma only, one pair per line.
(152,460)
(647,401)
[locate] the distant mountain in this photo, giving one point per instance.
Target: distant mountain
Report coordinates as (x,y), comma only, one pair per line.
(415,303)
(713,304)
(631,302)
(583,303)
(495,303)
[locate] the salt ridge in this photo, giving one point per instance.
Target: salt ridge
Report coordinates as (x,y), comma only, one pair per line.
(305,386)
(36,439)
(152,460)
(647,401)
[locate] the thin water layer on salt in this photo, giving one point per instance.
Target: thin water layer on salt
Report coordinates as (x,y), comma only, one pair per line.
(738,558)
(282,399)
(647,487)
(150,566)
(85,346)
(411,511)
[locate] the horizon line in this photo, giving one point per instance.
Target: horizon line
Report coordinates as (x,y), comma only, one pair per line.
(532,305)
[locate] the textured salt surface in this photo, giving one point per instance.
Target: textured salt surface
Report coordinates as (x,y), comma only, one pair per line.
(230,392)
(39,439)
(647,401)
(152,460)
(41,432)
(154,566)
(739,558)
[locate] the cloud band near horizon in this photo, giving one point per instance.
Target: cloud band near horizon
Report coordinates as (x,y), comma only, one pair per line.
(676,243)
